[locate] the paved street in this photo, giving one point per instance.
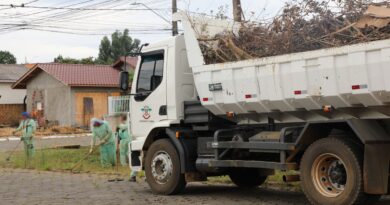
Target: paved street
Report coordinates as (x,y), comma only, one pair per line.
(47,188)
(31,187)
(44,188)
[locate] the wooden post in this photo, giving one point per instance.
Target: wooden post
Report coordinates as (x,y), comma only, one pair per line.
(175,30)
(237,10)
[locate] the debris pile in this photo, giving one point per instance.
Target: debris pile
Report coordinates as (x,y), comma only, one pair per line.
(303,25)
(55,130)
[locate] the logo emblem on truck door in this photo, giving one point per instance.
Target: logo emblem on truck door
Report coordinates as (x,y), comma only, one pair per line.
(146,110)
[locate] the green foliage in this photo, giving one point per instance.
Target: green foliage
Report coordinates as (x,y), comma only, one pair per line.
(105,51)
(67,60)
(121,44)
(131,75)
(7,58)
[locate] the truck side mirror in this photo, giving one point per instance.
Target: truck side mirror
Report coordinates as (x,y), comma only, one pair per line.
(124,80)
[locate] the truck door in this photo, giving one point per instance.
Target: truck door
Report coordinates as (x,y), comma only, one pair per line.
(148,105)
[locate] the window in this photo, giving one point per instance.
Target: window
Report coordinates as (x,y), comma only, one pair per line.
(151,73)
(39,106)
(88,106)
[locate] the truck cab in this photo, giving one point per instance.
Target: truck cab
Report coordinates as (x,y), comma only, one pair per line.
(162,82)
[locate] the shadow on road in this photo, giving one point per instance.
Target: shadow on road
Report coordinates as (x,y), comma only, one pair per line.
(232,193)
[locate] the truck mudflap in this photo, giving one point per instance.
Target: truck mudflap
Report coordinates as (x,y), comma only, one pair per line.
(185,148)
(376,168)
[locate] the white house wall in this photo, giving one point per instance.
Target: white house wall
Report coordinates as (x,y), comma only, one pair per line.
(11,96)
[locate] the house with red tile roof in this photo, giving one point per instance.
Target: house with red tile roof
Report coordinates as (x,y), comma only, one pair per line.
(131,63)
(68,94)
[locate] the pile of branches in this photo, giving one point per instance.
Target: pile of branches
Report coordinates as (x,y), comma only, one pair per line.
(303,25)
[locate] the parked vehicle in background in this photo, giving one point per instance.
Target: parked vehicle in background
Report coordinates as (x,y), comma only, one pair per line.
(323,113)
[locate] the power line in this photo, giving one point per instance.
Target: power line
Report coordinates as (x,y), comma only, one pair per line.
(78,18)
(47,10)
(81,9)
(30,2)
(64,13)
(75,32)
(84,28)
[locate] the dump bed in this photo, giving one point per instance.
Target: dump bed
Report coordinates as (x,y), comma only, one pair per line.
(338,83)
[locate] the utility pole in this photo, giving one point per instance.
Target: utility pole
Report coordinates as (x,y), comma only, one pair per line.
(175,30)
(237,10)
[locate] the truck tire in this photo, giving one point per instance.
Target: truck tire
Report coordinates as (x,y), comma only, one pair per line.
(247,177)
(162,168)
(331,173)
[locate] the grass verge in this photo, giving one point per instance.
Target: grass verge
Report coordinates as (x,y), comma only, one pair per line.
(61,160)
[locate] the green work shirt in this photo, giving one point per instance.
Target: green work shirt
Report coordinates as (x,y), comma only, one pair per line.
(124,132)
(27,127)
(102,133)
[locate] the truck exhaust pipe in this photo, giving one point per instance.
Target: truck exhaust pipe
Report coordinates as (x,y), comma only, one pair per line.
(291,178)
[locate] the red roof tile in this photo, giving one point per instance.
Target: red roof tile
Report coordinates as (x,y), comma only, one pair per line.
(131,61)
(76,75)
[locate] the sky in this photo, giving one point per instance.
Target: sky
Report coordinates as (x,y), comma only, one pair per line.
(34,45)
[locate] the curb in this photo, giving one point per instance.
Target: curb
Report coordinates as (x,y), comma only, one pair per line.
(14,138)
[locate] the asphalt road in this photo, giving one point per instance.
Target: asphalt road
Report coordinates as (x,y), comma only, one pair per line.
(32,187)
(44,188)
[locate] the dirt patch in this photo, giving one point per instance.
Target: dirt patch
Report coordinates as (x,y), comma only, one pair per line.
(6,132)
(55,130)
(61,130)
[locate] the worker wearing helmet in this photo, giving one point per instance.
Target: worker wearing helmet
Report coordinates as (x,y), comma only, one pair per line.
(102,132)
(27,126)
(124,136)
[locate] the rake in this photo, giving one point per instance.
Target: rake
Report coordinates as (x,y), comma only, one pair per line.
(12,152)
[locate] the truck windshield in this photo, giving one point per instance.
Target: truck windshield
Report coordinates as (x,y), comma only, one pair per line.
(151,73)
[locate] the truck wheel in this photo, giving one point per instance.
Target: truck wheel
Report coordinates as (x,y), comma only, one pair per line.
(162,168)
(331,172)
(247,177)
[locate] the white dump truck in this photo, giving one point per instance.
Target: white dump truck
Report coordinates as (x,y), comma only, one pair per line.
(324,114)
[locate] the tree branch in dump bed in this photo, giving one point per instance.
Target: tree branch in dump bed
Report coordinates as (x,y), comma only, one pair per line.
(303,25)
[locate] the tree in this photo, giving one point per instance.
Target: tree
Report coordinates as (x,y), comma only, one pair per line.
(105,50)
(121,45)
(7,58)
(67,60)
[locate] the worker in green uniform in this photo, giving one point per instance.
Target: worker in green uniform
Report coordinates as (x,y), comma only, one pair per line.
(27,126)
(101,131)
(124,137)
(125,140)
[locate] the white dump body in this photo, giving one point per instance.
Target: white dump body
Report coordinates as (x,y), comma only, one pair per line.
(353,80)
(345,77)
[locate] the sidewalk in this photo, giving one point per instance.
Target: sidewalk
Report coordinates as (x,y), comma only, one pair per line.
(7,144)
